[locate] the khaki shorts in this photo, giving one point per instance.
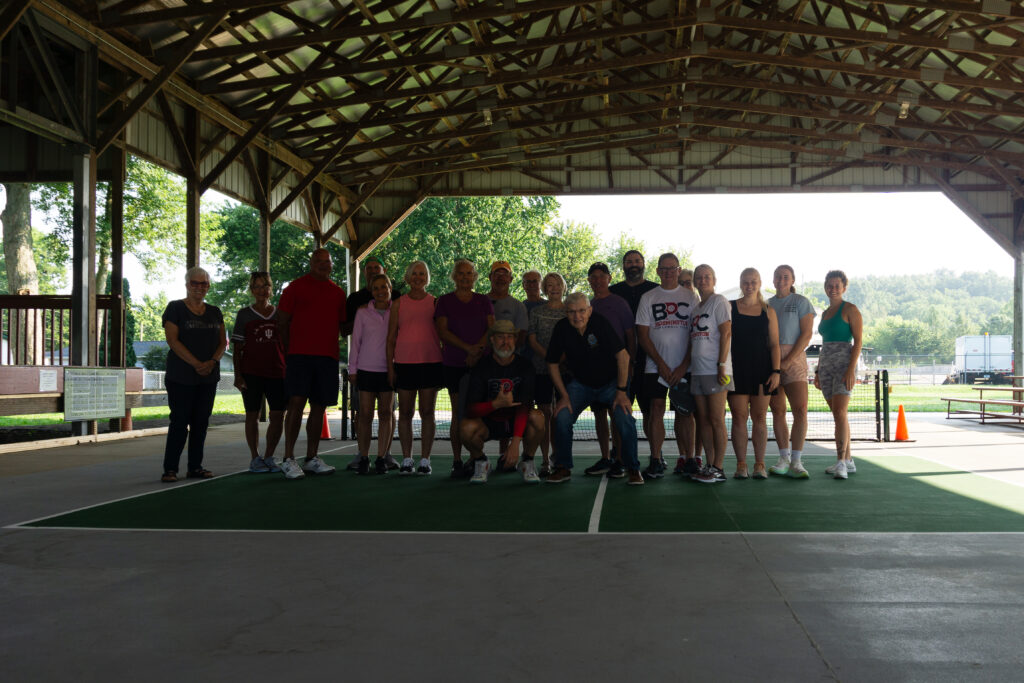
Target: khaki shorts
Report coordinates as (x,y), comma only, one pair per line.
(794,371)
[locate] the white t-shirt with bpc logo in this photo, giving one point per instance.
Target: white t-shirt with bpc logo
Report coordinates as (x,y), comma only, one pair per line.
(666,315)
(705,336)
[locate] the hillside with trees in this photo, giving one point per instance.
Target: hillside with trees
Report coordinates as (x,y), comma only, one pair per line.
(923,314)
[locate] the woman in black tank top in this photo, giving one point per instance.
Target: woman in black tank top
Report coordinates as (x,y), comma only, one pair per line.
(755,366)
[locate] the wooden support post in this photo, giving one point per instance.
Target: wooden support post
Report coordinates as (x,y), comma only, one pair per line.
(193,194)
(1018,288)
(83,257)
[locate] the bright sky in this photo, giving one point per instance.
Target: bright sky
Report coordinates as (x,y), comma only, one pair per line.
(859,233)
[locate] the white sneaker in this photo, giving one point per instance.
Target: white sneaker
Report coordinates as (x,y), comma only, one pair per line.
(851,468)
(257,466)
(407,466)
(780,467)
(317,466)
(291,469)
(272,465)
(480,468)
(796,471)
(529,472)
(839,471)
(424,469)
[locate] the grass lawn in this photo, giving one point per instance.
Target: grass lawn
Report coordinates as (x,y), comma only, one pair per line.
(226,404)
(925,399)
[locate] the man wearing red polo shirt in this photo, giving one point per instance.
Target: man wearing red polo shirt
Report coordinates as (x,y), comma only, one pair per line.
(311,313)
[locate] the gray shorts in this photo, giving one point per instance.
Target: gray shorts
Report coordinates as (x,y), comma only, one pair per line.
(705,385)
(832,365)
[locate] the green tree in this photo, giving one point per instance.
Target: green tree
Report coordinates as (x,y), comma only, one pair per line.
(154,216)
(895,336)
(570,249)
(235,251)
(148,316)
(155,359)
(613,252)
(481,229)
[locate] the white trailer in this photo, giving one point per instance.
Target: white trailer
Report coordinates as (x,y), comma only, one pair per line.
(984,358)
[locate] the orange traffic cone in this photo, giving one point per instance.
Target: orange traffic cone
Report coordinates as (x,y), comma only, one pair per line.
(325,431)
(901,426)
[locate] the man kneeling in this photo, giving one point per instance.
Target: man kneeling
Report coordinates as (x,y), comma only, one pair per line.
(498,404)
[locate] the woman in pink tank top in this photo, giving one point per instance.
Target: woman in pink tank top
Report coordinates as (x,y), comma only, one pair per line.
(414,364)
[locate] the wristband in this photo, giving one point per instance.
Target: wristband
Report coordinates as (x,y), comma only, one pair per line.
(777,371)
(721,365)
(622,389)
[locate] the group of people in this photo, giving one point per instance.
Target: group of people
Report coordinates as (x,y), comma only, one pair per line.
(522,372)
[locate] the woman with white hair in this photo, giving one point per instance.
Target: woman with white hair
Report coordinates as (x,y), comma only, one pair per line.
(195,334)
(462,318)
(414,364)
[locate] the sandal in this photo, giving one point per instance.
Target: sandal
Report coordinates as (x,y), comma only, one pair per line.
(759,471)
(200,474)
(741,472)
(169,477)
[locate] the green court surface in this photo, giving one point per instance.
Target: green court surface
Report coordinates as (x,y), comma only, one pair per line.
(887,494)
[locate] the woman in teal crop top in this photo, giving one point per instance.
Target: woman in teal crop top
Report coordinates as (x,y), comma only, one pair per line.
(835,329)
(841,327)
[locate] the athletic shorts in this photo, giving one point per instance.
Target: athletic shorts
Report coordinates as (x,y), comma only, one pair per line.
(705,385)
(832,365)
(452,375)
(681,398)
(256,388)
(415,376)
(374,382)
(651,389)
(498,429)
(795,371)
(312,377)
(635,391)
(543,389)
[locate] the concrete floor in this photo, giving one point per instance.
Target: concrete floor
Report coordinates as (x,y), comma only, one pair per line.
(172,606)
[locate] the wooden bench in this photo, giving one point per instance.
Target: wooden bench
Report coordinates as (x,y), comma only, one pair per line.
(1017,393)
(981,411)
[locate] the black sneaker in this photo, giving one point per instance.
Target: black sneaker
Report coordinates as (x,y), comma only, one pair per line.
(616,471)
(599,468)
(363,466)
(719,475)
(380,465)
(462,470)
(389,461)
(656,470)
(691,466)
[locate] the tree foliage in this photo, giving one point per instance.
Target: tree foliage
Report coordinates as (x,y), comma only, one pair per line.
(154,218)
(148,316)
(923,314)
(235,251)
(481,229)
(155,359)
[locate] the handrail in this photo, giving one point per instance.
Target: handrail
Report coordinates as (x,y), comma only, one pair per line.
(35,329)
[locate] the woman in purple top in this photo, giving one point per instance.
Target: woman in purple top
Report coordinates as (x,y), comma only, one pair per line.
(463,318)
(367,362)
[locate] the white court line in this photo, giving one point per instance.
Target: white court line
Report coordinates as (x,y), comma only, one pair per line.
(140,495)
(603,534)
(595,513)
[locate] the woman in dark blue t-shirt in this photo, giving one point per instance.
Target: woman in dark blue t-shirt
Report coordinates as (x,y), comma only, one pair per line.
(197,340)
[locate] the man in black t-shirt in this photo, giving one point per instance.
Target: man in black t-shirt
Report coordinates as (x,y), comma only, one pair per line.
(631,289)
(499,403)
(599,364)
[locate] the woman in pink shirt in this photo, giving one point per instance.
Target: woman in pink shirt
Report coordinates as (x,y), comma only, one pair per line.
(367,362)
(414,364)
